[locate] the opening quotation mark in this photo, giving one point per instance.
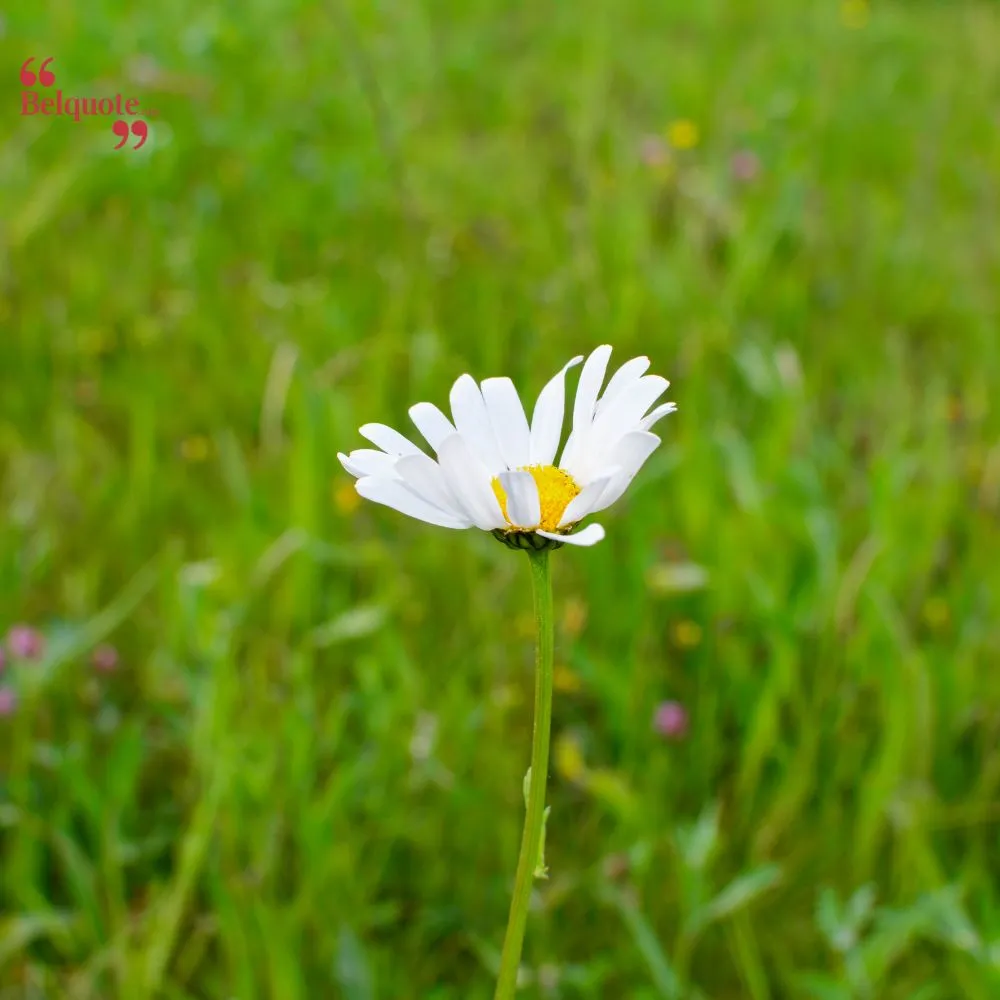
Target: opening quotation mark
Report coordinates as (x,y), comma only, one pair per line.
(45,76)
(139,129)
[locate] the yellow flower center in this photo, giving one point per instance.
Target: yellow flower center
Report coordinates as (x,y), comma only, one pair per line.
(555,490)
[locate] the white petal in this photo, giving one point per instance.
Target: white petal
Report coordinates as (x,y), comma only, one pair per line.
(389,440)
(431,422)
(654,415)
(583,503)
(547,419)
(510,425)
(368,462)
(629,373)
(471,421)
(392,493)
(470,484)
(591,379)
(587,392)
(623,415)
(630,454)
(628,409)
(590,535)
(427,479)
(523,508)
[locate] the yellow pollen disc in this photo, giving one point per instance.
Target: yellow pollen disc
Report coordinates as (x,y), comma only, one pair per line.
(555,490)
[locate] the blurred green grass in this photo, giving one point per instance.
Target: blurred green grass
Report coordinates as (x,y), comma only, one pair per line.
(304,778)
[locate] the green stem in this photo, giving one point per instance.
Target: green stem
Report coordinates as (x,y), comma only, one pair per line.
(510,960)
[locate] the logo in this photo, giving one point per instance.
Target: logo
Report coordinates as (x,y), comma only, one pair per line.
(130,119)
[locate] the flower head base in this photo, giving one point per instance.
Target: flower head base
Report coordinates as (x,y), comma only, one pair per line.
(525,541)
(498,472)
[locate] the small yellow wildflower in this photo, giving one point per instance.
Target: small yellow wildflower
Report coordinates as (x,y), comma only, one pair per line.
(683,134)
(854,14)
(345,498)
(568,758)
(687,634)
(574,617)
(566,680)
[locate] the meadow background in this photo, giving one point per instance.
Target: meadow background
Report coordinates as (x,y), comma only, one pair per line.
(274,743)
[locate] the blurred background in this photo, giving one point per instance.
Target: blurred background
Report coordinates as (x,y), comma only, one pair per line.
(259,739)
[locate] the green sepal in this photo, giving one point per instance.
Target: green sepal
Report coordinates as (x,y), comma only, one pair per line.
(526,541)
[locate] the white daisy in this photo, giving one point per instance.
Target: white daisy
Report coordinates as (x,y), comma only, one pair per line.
(497,472)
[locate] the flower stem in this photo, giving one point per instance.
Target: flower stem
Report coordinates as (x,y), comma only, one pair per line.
(529,859)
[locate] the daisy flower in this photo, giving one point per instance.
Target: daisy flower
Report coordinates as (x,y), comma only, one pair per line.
(495,471)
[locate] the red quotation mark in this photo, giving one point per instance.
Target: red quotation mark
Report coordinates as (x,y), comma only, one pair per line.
(45,76)
(139,128)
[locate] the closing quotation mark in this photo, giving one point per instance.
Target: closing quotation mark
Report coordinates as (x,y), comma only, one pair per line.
(139,128)
(45,76)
